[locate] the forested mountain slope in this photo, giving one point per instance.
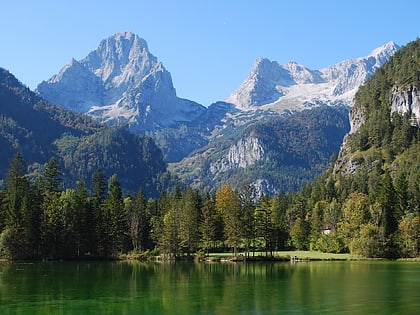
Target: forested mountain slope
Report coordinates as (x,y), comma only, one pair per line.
(369,201)
(273,156)
(31,126)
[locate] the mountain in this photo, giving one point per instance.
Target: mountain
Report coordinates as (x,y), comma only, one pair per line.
(273,93)
(369,198)
(273,156)
(121,82)
(295,87)
(385,119)
(39,131)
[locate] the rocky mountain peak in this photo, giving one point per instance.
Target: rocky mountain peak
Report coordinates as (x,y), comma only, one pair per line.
(121,58)
(260,87)
(385,51)
(120,82)
(295,87)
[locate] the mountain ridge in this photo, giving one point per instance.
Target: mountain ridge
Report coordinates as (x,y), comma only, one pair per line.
(184,129)
(337,82)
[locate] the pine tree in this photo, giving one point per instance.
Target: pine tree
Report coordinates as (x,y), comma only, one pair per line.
(52,177)
(85,220)
(20,209)
(99,184)
(208,223)
(99,239)
(264,223)
(171,206)
(189,218)
(114,208)
(51,218)
(389,222)
(138,221)
(16,184)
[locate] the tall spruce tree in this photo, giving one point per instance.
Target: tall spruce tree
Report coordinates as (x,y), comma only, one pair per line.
(389,222)
(114,208)
(99,240)
(20,210)
(188,229)
(208,225)
(16,185)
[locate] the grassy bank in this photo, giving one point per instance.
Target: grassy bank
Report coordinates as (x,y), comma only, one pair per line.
(286,256)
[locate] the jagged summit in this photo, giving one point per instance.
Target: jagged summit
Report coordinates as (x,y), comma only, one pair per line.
(121,58)
(260,85)
(293,86)
(120,82)
(386,50)
(303,75)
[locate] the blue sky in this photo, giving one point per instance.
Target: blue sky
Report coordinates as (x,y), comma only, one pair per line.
(208,46)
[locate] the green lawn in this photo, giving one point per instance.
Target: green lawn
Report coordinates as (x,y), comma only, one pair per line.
(314,255)
(303,255)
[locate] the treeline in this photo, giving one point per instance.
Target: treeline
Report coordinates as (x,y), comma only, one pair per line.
(39,220)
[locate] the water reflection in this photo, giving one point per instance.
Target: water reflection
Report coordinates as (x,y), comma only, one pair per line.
(214,288)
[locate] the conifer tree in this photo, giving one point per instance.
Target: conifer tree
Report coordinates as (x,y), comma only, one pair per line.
(189,218)
(114,208)
(51,182)
(208,223)
(99,184)
(84,220)
(20,234)
(99,239)
(138,221)
(389,222)
(51,221)
(16,184)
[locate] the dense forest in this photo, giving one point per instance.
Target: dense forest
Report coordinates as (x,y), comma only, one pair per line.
(367,203)
(39,220)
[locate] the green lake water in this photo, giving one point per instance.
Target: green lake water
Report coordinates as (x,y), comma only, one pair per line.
(210,288)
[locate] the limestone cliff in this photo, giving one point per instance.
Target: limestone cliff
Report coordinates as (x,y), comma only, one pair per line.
(406,100)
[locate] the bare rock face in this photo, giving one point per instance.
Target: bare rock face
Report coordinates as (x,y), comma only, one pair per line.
(406,101)
(242,154)
(121,82)
(357,119)
(403,101)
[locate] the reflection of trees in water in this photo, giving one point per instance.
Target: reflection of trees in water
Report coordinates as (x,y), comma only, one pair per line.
(207,288)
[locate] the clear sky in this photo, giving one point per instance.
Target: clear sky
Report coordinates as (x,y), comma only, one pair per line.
(208,46)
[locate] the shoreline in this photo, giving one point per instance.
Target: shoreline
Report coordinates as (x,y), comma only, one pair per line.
(282,256)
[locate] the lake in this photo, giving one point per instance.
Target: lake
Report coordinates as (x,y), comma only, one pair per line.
(323,287)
